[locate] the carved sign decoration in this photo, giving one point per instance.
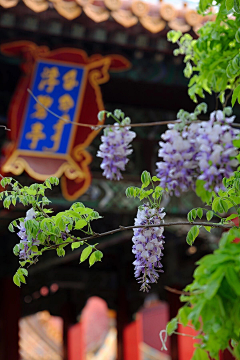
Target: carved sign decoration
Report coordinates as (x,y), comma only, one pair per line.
(66,82)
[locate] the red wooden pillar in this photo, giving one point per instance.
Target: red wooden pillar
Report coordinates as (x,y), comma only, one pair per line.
(9,318)
(131,340)
(76,347)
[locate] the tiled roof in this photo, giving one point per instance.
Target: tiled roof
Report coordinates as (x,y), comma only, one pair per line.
(153,17)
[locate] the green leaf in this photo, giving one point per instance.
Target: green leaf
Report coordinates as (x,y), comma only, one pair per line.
(214,283)
(183,314)
(199,213)
(237,35)
(48,184)
(85,253)
(236,143)
(229,4)
(236,6)
(172,326)
(145,178)
(220,205)
(98,255)
(16,280)
(101,115)
(61,224)
(155,178)
(233,279)
(16,250)
(189,216)
(10,227)
(192,234)
(235,94)
(209,215)
(200,354)
(192,215)
(130,191)
(7,202)
(188,70)
(23,271)
(222,97)
(92,259)
(173,35)
(208,228)
(60,251)
(76,245)
(232,216)
(80,224)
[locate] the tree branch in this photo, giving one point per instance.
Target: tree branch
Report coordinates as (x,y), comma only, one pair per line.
(123,228)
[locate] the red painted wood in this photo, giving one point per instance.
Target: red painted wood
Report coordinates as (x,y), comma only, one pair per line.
(130,341)
(186,343)
(75,343)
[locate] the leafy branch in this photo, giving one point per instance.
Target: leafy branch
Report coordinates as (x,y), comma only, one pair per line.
(42,231)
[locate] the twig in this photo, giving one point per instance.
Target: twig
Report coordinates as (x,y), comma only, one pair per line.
(179,292)
(178,333)
(175,291)
(97,127)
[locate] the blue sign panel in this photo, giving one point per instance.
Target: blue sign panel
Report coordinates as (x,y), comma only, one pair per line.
(58,87)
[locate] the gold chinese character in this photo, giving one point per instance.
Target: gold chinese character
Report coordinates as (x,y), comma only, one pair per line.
(69,80)
(49,79)
(35,135)
(41,113)
(57,136)
(65,103)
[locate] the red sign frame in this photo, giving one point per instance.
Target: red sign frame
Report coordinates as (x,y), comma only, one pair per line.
(74,167)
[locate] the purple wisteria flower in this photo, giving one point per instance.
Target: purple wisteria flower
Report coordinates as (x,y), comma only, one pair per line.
(114,149)
(177,170)
(202,150)
(216,150)
(26,252)
(148,245)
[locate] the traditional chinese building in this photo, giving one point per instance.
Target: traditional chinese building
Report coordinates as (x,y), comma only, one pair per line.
(150,87)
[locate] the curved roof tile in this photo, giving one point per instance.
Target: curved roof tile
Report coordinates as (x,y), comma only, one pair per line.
(153,17)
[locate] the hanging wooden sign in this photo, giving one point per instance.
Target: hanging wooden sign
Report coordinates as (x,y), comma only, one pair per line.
(66,82)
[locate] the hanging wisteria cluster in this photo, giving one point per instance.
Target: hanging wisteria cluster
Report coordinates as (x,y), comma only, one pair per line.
(216,150)
(116,147)
(26,244)
(178,168)
(148,245)
(201,150)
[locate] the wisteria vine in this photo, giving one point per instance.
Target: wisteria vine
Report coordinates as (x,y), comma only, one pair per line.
(192,151)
